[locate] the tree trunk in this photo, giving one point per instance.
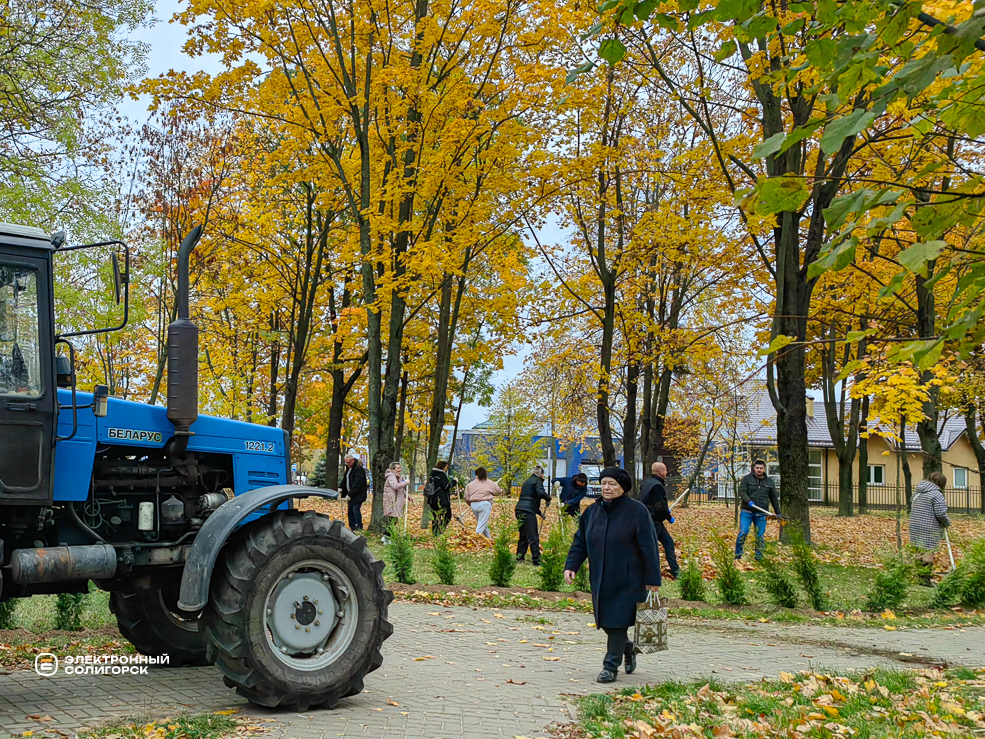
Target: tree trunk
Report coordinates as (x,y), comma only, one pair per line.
(791,426)
(845,493)
(863,460)
(927,427)
(629,425)
(905,461)
(971,424)
(402,414)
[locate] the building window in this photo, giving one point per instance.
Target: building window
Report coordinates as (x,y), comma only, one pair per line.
(960,478)
(815,475)
(877,474)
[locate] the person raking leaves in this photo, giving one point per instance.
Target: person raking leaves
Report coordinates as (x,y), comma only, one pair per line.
(758,491)
(617,537)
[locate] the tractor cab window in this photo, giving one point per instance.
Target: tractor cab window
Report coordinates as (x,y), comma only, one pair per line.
(20,346)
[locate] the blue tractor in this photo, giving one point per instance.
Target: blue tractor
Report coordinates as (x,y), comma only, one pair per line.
(188,521)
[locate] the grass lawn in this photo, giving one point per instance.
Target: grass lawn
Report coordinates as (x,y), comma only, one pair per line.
(218,725)
(878,703)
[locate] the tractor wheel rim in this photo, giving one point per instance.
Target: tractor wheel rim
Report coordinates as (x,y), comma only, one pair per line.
(307,626)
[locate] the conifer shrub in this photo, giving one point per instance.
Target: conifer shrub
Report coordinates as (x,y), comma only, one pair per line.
(775,581)
(7,609)
(445,566)
(68,611)
(889,589)
(948,590)
(552,559)
(805,565)
(400,555)
(731,586)
(690,580)
(504,561)
(973,586)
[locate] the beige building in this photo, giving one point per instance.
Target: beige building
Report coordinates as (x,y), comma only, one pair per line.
(755,436)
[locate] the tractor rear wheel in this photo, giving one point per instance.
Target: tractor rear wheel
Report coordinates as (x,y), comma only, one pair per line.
(149,619)
(297,612)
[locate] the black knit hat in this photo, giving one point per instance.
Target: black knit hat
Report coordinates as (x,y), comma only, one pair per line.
(619,475)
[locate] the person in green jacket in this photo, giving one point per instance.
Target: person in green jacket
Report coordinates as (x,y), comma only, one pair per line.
(755,489)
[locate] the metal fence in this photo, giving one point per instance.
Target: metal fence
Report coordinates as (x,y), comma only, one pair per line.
(878,497)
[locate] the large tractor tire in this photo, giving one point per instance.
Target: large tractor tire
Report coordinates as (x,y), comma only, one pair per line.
(149,619)
(297,611)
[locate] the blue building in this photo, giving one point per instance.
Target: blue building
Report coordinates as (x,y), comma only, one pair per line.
(563,457)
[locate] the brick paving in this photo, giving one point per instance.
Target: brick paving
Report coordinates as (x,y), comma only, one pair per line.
(465,673)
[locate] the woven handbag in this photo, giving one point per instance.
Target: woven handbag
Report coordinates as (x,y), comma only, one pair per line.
(650,633)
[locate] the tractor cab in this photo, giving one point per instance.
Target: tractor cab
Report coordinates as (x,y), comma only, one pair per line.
(28,391)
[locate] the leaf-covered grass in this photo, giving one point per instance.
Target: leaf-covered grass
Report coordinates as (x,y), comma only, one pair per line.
(878,703)
(218,725)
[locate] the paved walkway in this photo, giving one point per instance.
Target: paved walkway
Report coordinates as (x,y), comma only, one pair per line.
(465,673)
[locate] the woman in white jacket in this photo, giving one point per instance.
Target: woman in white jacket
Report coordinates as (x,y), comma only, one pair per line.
(479,495)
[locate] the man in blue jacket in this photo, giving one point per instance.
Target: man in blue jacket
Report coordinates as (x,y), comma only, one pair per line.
(573,491)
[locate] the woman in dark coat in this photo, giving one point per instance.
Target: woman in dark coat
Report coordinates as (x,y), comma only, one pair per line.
(617,537)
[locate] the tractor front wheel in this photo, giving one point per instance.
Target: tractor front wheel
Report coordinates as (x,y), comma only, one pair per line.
(297,611)
(150,620)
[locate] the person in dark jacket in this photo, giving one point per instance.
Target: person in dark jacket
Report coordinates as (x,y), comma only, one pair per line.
(354,487)
(755,489)
(527,509)
(440,498)
(573,491)
(653,494)
(617,537)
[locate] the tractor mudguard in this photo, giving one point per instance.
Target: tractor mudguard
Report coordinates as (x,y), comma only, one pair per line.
(217,528)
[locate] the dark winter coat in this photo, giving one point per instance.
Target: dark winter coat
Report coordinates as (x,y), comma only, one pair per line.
(761,492)
(354,484)
(531,494)
(441,486)
(620,543)
(571,492)
(653,494)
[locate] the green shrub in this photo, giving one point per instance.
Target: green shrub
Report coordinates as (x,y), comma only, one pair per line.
(773,577)
(948,590)
(889,589)
(400,554)
(552,559)
(731,586)
(691,582)
(445,566)
(7,609)
(504,561)
(68,611)
(805,565)
(973,587)
(581,583)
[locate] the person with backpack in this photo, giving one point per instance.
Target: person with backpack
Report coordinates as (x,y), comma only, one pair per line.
(438,494)
(526,511)
(479,495)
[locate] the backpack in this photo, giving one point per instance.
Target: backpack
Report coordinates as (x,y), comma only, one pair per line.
(429,488)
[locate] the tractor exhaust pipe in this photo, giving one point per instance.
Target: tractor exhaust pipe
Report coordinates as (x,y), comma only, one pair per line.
(183,355)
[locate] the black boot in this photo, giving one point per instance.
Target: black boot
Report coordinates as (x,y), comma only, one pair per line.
(606,676)
(630,658)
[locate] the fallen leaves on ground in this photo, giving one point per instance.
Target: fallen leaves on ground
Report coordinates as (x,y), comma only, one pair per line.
(808,704)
